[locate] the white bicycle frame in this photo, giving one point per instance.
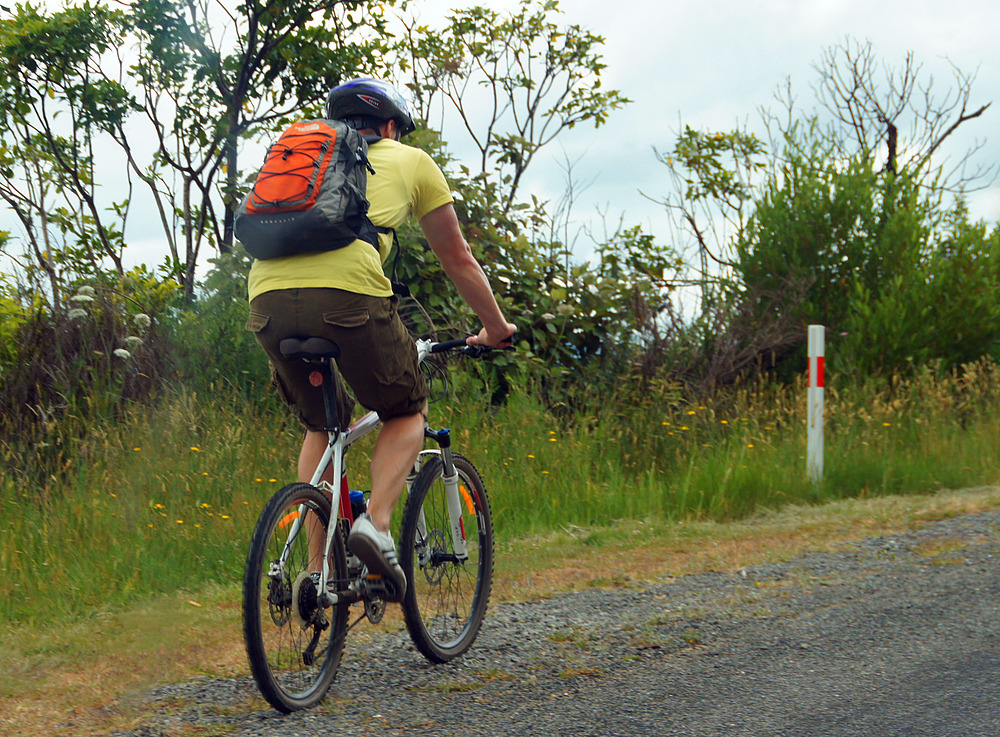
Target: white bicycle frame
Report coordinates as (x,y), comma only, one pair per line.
(337,446)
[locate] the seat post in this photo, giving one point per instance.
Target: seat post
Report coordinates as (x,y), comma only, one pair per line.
(325,371)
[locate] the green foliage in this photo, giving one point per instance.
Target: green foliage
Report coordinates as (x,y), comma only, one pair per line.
(538,78)
(213,347)
(713,161)
(54,103)
(267,63)
(940,311)
(580,323)
(13,315)
(906,282)
(65,371)
(829,224)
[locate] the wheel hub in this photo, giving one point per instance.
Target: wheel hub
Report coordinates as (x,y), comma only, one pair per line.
(279,599)
(434,569)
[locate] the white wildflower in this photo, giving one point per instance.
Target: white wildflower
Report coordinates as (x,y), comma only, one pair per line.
(81,298)
(76,314)
(86,291)
(142,320)
(122,353)
(565,309)
(133,342)
(548,316)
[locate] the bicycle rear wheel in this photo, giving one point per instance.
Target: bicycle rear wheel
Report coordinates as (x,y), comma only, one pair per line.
(294,643)
(446,597)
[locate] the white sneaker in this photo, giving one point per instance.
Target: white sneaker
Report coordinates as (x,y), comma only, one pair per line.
(377,550)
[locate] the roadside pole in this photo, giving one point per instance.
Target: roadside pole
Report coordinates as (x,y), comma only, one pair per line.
(814,455)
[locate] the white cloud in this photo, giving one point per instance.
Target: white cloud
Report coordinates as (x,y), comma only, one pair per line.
(714,64)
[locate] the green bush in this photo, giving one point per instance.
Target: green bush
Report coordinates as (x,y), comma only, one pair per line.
(899,280)
(67,370)
(213,347)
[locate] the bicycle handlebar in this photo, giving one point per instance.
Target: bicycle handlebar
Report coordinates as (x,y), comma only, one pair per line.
(460,346)
(449,345)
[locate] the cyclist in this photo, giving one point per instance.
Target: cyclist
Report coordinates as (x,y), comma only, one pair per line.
(344,295)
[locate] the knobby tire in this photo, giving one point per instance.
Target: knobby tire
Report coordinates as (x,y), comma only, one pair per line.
(293,644)
(446,599)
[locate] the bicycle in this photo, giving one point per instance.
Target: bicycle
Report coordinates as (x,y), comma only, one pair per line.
(297,594)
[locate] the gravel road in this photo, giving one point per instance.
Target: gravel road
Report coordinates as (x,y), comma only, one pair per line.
(885,636)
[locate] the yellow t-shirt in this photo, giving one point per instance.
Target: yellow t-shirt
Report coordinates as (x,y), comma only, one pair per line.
(406,182)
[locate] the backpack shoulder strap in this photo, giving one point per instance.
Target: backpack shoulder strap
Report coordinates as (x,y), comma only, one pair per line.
(398,288)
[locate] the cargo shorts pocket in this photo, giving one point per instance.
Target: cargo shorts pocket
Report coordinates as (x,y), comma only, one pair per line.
(353,318)
(257,322)
(369,342)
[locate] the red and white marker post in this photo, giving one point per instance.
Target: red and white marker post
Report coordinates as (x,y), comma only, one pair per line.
(814,453)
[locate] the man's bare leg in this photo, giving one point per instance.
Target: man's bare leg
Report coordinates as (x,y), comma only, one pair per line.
(399,442)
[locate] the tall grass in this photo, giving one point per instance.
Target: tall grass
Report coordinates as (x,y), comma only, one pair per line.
(166,499)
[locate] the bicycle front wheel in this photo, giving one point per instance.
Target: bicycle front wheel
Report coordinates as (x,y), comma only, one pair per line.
(294,643)
(446,592)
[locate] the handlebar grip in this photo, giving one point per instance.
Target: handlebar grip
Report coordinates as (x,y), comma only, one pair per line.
(448,345)
(462,346)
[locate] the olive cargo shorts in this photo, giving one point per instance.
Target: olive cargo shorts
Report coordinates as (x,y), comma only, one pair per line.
(377,356)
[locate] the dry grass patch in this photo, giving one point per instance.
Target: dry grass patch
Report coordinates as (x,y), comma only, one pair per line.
(637,553)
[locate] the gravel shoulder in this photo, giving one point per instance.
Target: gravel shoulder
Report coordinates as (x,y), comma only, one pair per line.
(886,635)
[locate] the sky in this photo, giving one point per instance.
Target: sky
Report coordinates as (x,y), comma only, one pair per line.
(712,64)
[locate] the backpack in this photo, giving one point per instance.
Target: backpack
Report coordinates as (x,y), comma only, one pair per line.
(310,195)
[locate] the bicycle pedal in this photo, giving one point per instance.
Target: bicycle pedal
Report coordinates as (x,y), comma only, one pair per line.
(379,587)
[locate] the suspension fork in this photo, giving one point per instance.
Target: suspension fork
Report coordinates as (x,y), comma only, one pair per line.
(453,493)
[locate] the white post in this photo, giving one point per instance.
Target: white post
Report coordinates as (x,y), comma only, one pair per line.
(814,457)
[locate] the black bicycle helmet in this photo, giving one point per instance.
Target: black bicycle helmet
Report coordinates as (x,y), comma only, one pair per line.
(369,99)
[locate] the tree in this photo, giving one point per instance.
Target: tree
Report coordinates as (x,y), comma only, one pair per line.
(55,101)
(875,103)
(940,310)
(517,80)
(211,74)
(835,225)
(826,218)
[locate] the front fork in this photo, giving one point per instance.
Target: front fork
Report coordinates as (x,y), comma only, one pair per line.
(453,495)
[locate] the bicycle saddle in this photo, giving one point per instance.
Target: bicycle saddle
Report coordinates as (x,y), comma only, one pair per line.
(308,348)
